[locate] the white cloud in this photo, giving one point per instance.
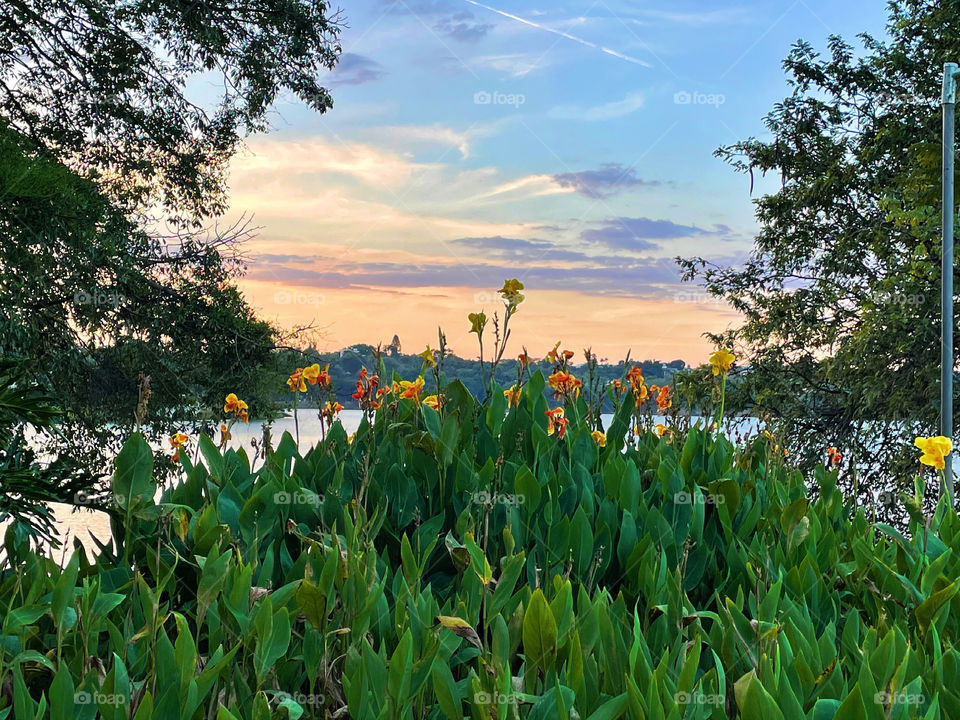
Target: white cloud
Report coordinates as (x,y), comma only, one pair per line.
(608,111)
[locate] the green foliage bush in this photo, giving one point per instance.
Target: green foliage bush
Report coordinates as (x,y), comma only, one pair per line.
(468,564)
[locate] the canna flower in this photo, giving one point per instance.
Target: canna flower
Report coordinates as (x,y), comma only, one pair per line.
(524,359)
(599,438)
(177,441)
(512,394)
(432,401)
(478,321)
(330,411)
(934,449)
(721,361)
(237,406)
(618,387)
(833,455)
(427,356)
(661,429)
(511,293)
(315,376)
(224,434)
(556,422)
(557,356)
(295,381)
(663,398)
(366,390)
(408,389)
(564,385)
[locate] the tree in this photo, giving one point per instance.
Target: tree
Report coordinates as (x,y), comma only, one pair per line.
(102,84)
(112,175)
(841,292)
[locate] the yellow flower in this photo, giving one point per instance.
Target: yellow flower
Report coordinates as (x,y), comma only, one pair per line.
(477,322)
(661,429)
(722,360)
(599,438)
(511,293)
(179,439)
(512,394)
(433,401)
(234,404)
(295,381)
(427,356)
(934,449)
(315,376)
(407,389)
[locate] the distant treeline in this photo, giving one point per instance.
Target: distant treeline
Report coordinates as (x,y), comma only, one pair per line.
(346,364)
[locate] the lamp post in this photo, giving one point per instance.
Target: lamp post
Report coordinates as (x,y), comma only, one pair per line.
(949,104)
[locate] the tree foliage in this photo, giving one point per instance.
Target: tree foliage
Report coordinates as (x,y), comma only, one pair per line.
(104,85)
(841,292)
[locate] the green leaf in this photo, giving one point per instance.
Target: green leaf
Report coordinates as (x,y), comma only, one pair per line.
(539,632)
(133,476)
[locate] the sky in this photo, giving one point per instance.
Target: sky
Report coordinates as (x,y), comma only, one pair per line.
(566,144)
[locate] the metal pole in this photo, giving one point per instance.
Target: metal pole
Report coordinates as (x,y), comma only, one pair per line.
(948,100)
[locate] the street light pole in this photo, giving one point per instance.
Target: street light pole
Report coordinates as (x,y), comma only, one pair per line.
(949,103)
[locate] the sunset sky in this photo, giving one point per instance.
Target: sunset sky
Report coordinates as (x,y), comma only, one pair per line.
(567,144)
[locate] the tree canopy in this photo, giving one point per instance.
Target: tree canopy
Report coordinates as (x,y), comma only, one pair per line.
(841,292)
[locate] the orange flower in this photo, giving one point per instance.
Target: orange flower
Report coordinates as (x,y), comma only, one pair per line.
(512,394)
(661,429)
(433,401)
(564,384)
(408,389)
(599,438)
(524,359)
(178,440)
(618,387)
(295,381)
(834,456)
(366,388)
(635,376)
(556,355)
(556,422)
(224,433)
(663,398)
(330,411)
(237,406)
(315,376)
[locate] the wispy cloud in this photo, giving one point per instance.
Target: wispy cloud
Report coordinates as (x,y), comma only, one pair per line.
(607,111)
(639,233)
(562,34)
(355,69)
(606,181)
(448,19)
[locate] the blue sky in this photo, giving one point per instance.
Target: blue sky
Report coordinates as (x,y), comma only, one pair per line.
(568,144)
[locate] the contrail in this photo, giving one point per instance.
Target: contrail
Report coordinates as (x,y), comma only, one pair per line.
(561,33)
